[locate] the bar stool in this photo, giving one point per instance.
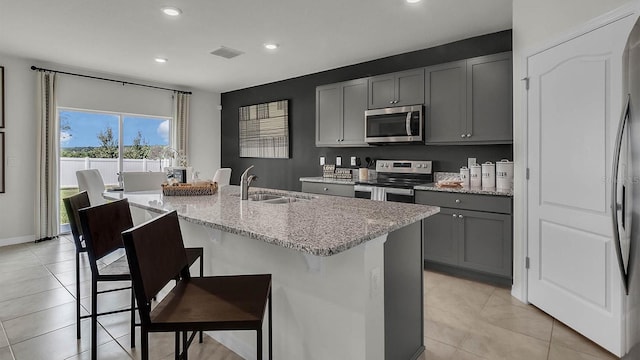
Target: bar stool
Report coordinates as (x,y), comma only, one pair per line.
(156,255)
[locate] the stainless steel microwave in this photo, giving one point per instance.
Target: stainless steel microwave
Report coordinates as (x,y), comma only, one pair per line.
(401,124)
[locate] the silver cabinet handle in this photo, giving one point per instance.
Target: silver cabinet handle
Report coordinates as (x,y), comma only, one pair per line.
(463,135)
(460,216)
(614,193)
(457,201)
(391,102)
(468,135)
(325,189)
(454,215)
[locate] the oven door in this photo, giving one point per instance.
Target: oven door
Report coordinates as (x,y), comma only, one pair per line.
(384,193)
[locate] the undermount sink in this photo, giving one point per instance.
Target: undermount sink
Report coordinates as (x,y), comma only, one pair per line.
(281,200)
(270,198)
(263,197)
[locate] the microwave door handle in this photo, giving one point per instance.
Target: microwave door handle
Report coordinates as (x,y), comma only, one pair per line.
(408,123)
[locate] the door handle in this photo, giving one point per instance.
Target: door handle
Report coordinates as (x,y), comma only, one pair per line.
(408,123)
(614,193)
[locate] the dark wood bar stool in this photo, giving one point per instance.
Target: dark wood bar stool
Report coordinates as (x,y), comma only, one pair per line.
(156,256)
(101,227)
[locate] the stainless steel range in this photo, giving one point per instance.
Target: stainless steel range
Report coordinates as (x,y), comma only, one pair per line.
(395,180)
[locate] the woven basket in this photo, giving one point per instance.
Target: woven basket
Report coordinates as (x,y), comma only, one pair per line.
(189,189)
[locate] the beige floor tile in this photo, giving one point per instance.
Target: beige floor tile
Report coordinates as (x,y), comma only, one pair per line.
(161,345)
(459,296)
(463,355)
(557,352)
(12,309)
(505,296)
(60,244)
(41,322)
(118,325)
(447,327)
(5,353)
(3,337)
(29,287)
(110,301)
(109,351)
(9,278)
(522,319)
(58,256)
(69,277)
(209,350)
(85,287)
(493,342)
(436,350)
(65,266)
(59,344)
(565,337)
(22,261)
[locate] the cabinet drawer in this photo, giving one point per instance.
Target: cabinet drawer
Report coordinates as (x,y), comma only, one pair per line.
(328,189)
(490,203)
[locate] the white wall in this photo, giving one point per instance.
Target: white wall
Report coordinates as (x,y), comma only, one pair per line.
(17,204)
(537,24)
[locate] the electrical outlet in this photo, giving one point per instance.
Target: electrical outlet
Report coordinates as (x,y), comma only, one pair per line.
(353,161)
(338,160)
(321,160)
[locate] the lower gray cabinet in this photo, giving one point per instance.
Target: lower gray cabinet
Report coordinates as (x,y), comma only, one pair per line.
(328,189)
(466,239)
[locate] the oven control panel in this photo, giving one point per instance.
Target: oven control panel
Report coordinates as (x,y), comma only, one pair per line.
(404,166)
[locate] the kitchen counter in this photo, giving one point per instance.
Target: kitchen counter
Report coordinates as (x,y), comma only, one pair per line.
(316,224)
(479,191)
(320,179)
(347,273)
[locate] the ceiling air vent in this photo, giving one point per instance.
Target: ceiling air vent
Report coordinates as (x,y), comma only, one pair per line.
(226,52)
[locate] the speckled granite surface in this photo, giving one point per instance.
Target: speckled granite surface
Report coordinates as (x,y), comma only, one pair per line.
(320,179)
(319,224)
(496,192)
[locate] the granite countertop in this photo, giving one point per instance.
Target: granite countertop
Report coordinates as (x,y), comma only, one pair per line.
(320,179)
(320,225)
(480,191)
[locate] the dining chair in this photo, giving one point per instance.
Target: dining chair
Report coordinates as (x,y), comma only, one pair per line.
(222,176)
(142,180)
(91,181)
(156,255)
(101,227)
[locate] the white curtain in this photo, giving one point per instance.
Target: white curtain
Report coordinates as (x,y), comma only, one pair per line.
(47,198)
(181,122)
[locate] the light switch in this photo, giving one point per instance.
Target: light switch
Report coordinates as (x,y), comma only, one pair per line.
(338,160)
(321,160)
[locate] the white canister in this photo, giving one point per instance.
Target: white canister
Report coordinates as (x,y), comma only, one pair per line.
(363,174)
(475,175)
(464,176)
(488,175)
(504,174)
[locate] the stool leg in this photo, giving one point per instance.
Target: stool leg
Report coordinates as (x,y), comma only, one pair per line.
(77,294)
(94,318)
(185,345)
(177,346)
(201,275)
(133,317)
(144,342)
(270,328)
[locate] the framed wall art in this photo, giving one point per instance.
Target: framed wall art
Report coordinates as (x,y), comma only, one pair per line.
(264,130)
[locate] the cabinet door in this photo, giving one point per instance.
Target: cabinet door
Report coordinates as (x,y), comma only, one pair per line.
(440,237)
(489,99)
(328,115)
(354,104)
(446,102)
(485,241)
(409,87)
(382,92)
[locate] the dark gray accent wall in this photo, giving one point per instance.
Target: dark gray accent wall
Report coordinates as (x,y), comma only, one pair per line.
(300,91)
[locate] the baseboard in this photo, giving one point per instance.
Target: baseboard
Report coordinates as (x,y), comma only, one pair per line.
(17,240)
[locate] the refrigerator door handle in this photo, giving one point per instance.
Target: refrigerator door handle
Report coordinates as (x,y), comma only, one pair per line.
(614,194)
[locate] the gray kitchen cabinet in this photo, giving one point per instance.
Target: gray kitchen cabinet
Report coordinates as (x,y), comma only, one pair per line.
(470,101)
(471,236)
(445,102)
(396,89)
(345,190)
(340,113)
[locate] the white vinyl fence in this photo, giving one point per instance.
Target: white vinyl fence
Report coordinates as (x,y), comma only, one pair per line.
(108,168)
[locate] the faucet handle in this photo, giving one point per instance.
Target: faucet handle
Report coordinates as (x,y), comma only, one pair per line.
(252,178)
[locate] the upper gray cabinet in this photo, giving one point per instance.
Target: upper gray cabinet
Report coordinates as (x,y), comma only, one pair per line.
(470,101)
(396,89)
(340,111)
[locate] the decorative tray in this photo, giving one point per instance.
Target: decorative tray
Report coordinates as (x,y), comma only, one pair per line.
(181,189)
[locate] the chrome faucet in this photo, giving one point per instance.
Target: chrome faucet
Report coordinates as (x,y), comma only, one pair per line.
(245,182)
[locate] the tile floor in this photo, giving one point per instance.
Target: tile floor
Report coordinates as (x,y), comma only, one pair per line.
(464,320)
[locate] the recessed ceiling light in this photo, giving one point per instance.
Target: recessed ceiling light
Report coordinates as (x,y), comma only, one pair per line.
(161,60)
(413,1)
(271,46)
(171,11)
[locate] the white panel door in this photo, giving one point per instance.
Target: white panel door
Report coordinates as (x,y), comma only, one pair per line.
(573,104)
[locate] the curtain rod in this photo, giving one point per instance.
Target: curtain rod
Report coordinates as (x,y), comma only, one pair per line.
(106,79)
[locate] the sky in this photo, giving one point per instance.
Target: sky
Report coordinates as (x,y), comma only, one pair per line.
(85,127)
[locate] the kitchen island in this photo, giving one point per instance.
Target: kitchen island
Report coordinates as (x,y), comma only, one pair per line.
(347,273)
